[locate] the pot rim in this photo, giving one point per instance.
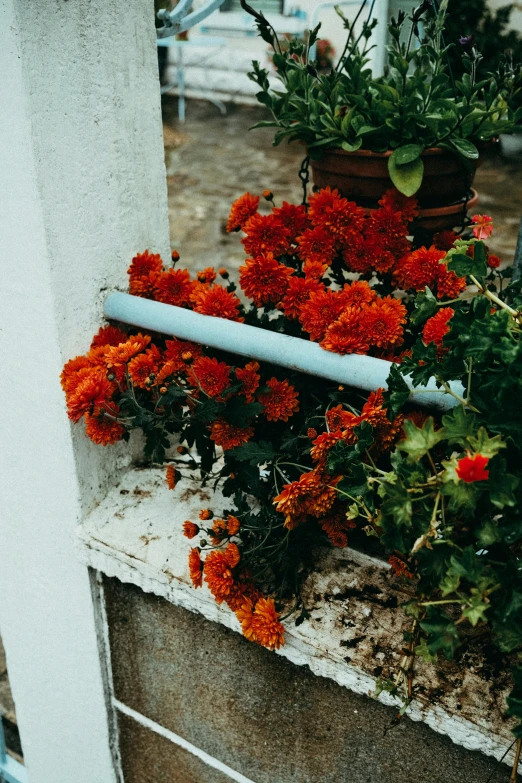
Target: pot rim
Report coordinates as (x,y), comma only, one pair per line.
(428,152)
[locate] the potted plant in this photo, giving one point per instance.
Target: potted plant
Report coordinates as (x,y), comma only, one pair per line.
(416,126)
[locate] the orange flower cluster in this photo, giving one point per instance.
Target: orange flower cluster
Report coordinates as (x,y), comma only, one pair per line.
(313,494)
(437,326)
(229,584)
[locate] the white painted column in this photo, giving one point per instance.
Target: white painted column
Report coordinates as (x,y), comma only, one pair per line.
(82,188)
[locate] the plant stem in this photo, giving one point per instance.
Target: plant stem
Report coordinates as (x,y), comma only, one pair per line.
(494,298)
(514,775)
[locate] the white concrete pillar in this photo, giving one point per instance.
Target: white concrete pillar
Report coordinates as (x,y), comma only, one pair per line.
(82,188)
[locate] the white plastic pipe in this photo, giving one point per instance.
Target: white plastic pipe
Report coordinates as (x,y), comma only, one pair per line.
(360,372)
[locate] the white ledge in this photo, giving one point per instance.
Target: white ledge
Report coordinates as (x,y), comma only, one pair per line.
(355,631)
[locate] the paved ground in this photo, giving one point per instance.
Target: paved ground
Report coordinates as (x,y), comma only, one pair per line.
(211,160)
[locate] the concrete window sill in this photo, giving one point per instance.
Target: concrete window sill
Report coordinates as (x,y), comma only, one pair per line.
(355,633)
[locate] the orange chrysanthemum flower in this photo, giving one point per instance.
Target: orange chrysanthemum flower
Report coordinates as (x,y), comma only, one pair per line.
(242,210)
(143,264)
(207,275)
(190,530)
(316,244)
(314,270)
(174,350)
(359,255)
(118,355)
(265,626)
(313,493)
(399,567)
(395,201)
(141,367)
(233,525)
(212,376)
(173,287)
(322,445)
(265,234)
(445,240)
(346,335)
(108,335)
(338,418)
(340,217)
(92,392)
(321,310)
(217,301)
(249,377)
(357,294)
(101,428)
(335,527)
(383,321)
(219,530)
(448,284)
(297,293)
(263,279)
(69,375)
(293,217)
(170,477)
(280,401)
(218,570)
(419,269)
(437,326)
(205,514)
(196,567)
(227,436)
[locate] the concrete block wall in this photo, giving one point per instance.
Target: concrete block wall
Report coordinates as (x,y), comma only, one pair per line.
(268,720)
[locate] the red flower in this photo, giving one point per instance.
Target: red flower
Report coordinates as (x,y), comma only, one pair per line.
(211,375)
(265,234)
(494,261)
(173,287)
(470,469)
(218,571)
(341,218)
(420,268)
(316,244)
(108,335)
(101,429)
(437,326)
(483,226)
(249,377)
(399,567)
(141,367)
(217,301)
(190,530)
(293,218)
(382,321)
(314,270)
(91,393)
(280,401)
(196,567)
(399,203)
(448,284)
(346,335)
(358,293)
(228,436)
(321,310)
(242,209)
(263,279)
(174,352)
(144,263)
(298,292)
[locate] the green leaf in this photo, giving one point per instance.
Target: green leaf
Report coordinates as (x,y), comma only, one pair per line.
(465,148)
(398,391)
(483,444)
(463,265)
(408,177)
(407,154)
(459,426)
(501,484)
(257,453)
(426,305)
(419,441)
(442,633)
(476,609)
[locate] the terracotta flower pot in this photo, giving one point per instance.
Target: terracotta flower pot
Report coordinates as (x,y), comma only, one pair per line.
(362,176)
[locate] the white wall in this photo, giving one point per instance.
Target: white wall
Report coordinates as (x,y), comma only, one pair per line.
(82,188)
